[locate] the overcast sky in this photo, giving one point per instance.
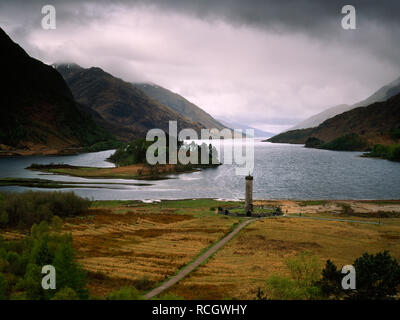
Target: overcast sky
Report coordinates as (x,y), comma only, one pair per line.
(268,64)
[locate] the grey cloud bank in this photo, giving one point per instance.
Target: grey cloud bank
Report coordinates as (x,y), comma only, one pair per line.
(268,64)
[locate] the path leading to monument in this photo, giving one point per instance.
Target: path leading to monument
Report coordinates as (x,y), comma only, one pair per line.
(190,267)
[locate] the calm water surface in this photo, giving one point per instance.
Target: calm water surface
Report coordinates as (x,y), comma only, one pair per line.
(281,171)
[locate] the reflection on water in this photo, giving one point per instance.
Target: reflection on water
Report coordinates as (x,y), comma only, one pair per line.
(281,171)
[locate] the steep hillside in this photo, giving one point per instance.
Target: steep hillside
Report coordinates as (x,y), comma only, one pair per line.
(299,136)
(357,129)
(383,94)
(180,105)
(38,111)
(125,110)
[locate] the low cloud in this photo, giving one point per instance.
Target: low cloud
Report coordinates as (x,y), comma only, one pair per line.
(267,64)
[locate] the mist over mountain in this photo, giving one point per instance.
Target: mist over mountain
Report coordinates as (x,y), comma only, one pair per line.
(382,94)
(121,107)
(257,132)
(180,105)
(378,123)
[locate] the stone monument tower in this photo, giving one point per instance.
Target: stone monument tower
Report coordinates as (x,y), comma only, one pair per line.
(248,206)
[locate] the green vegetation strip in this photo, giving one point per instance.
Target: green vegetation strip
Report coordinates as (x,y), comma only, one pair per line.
(53,184)
(391,152)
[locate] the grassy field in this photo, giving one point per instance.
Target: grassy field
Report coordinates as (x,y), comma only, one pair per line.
(132,243)
(125,243)
(135,171)
(243,265)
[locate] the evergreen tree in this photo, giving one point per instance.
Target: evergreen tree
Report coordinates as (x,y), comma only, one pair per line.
(330,282)
(69,273)
(378,276)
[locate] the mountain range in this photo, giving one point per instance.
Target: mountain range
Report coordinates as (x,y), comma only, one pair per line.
(56,109)
(65,108)
(382,94)
(38,111)
(180,105)
(257,132)
(119,106)
(377,123)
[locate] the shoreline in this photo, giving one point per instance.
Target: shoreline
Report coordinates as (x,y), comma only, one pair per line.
(131,172)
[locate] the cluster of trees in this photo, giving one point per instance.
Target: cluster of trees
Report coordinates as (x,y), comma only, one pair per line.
(377,277)
(22,260)
(135,152)
(348,142)
(395,133)
(132,153)
(391,152)
(197,152)
(25,209)
(21,263)
(105,145)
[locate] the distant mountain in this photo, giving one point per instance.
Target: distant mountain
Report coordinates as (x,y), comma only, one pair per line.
(317,119)
(119,106)
(378,123)
(382,94)
(38,111)
(257,132)
(180,105)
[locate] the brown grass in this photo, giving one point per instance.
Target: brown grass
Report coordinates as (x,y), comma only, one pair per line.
(124,172)
(243,265)
(139,244)
(124,246)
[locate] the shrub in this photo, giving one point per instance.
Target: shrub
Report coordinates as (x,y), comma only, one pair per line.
(346,209)
(391,152)
(377,278)
(56,223)
(32,283)
(66,294)
(3,287)
(126,293)
(69,273)
(28,208)
(169,296)
(21,263)
(143,284)
(304,272)
(330,283)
